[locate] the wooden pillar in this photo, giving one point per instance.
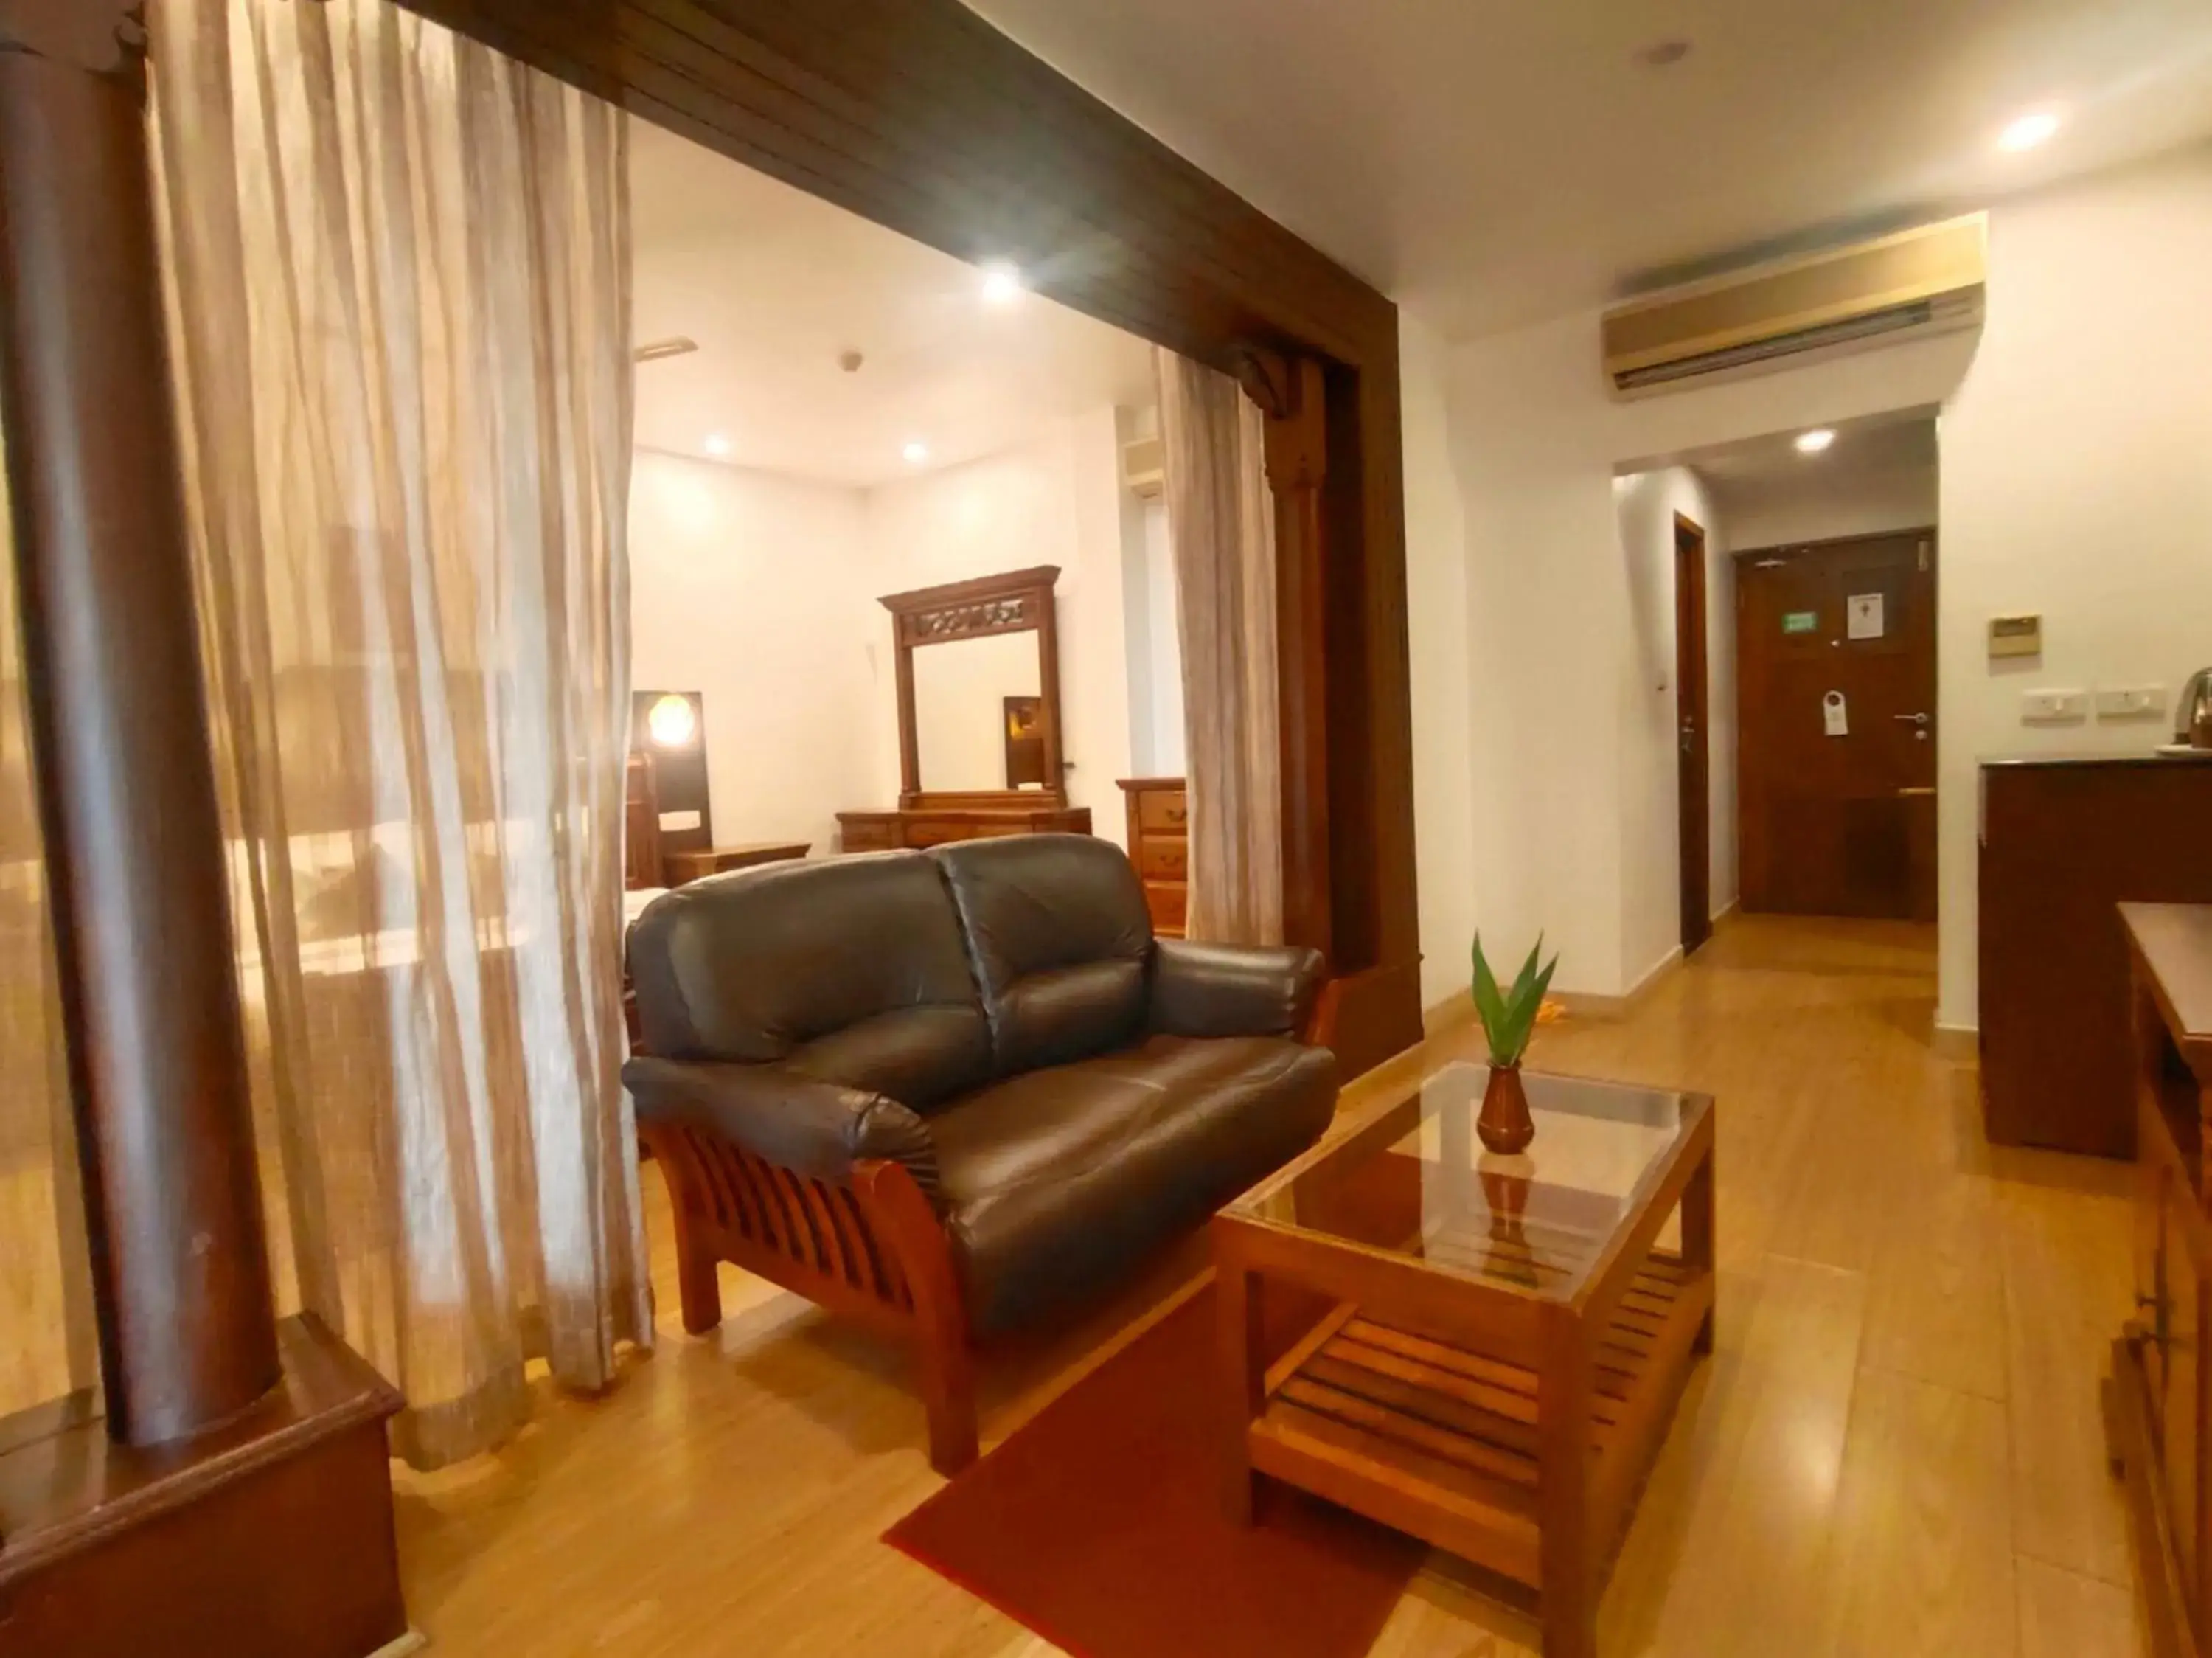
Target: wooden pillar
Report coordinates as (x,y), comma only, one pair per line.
(1291,394)
(235,1498)
(119,737)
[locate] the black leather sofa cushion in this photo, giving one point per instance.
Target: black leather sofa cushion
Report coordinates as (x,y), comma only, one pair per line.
(1060,938)
(851,971)
(1055,1180)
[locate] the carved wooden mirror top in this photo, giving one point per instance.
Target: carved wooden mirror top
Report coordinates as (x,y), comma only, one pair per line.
(949,693)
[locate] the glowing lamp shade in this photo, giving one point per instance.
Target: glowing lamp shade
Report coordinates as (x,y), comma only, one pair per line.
(671,722)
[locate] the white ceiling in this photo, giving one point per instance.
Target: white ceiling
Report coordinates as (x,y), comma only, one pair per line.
(775,284)
(1495,163)
(1883,443)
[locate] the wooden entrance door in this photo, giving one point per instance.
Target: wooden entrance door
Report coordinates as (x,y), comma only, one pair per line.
(1836,726)
(1695,762)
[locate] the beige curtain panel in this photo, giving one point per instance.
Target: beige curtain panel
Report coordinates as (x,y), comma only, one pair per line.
(400,314)
(49,1347)
(1221,519)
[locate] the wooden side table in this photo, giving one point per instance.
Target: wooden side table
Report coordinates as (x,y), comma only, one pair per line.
(688,866)
(1504,1344)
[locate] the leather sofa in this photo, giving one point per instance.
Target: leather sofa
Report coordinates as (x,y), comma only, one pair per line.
(953,1093)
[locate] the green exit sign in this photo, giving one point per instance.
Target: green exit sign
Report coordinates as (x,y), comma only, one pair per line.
(1799,621)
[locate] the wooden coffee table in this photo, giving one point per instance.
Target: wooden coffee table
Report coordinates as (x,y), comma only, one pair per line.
(1504,1338)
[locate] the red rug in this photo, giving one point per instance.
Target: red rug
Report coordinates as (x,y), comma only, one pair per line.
(1098,1526)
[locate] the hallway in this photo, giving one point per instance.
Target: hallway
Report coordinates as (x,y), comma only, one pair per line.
(1894,1451)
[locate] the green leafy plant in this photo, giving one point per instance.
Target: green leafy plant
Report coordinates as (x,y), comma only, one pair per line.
(1509,1017)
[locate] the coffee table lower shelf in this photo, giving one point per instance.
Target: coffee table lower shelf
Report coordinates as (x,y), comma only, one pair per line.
(1441,1442)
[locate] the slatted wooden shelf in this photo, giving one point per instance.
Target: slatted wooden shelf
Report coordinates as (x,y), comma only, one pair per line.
(1367,1415)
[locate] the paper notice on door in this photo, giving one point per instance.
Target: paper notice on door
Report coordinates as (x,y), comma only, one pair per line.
(1834,717)
(1863,611)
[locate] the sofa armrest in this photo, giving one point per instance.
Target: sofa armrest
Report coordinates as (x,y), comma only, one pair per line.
(1233,990)
(810,1127)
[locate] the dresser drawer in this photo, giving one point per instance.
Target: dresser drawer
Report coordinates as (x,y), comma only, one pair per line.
(1164,811)
(1169,901)
(879,837)
(1163,860)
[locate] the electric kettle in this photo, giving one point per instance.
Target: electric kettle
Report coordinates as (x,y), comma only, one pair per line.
(2192,720)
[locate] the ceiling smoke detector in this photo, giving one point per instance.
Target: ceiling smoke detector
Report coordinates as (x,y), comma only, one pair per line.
(1661,54)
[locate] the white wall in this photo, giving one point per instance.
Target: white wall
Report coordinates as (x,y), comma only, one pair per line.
(2075,478)
(1651,911)
(1445,829)
(760,592)
(743,588)
(1824,505)
(2077,482)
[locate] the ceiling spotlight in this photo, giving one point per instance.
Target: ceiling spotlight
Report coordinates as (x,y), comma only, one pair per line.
(1002,282)
(2029,131)
(915,453)
(718,446)
(1814,442)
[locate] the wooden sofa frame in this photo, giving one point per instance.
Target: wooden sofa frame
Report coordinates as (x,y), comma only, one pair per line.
(871,1249)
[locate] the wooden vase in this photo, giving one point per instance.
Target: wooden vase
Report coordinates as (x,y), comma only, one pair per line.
(1504,1125)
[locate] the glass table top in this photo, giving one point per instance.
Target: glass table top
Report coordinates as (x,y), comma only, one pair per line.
(1415,1181)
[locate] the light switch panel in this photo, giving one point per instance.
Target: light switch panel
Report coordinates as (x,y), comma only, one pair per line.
(2054,707)
(2135,702)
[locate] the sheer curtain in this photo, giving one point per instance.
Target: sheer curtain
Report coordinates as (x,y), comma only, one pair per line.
(45,1297)
(400,296)
(1221,519)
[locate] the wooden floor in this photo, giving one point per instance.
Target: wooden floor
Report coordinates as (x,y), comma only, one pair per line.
(1895,1450)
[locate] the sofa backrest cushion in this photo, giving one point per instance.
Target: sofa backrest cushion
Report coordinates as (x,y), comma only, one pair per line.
(849,969)
(1060,937)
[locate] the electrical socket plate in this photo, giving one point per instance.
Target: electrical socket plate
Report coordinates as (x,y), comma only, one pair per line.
(2135,702)
(2053,707)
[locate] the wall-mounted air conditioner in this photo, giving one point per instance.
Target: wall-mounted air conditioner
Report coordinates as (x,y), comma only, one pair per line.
(1918,281)
(1143,467)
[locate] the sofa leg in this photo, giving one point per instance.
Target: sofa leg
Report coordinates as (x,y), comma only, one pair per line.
(948,1394)
(699,1286)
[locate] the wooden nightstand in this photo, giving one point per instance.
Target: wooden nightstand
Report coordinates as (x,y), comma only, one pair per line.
(682,867)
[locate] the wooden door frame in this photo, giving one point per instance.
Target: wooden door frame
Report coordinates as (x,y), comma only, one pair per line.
(1692,712)
(919,115)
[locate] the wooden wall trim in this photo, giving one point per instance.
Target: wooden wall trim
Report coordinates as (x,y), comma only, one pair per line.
(920,116)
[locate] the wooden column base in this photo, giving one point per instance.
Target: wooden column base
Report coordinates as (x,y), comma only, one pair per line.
(269,1537)
(1378,1015)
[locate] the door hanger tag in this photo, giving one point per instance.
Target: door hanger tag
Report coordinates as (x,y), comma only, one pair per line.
(1834,716)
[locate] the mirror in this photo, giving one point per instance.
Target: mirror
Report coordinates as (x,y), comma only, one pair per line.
(961,692)
(979,690)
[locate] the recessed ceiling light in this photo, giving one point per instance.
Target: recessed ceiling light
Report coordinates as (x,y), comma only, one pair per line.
(1002,282)
(1814,442)
(717,445)
(2029,131)
(915,453)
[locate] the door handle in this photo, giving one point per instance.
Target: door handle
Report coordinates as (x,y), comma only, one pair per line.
(1911,719)
(1917,793)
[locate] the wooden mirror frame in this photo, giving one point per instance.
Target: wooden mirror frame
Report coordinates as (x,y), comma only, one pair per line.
(1018,601)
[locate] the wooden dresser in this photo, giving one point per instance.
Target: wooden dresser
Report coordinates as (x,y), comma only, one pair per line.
(2064,843)
(918,826)
(1159,846)
(2155,1401)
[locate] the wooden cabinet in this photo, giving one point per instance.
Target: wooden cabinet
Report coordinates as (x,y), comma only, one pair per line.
(923,826)
(2064,843)
(2155,1401)
(1159,846)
